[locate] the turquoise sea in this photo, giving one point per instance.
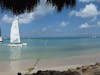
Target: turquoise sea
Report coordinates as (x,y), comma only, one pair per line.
(45,48)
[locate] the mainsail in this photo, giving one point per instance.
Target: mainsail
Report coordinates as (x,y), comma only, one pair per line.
(14,34)
(1,39)
(0,32)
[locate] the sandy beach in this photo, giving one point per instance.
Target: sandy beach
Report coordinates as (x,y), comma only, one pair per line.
(59,64)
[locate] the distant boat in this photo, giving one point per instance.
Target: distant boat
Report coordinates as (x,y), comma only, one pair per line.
(14,34)
(1,39)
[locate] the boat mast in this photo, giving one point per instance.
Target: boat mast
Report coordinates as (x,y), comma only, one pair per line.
(17,19)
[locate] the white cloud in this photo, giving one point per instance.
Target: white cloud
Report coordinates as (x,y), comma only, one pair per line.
(44,29)
(87,0)
(63,24)
(26,18)
(73,12)
(7,19)
(90,10)
(84,26)
(98,23)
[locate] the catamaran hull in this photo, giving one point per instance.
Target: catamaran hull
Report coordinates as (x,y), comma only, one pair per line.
(18,45)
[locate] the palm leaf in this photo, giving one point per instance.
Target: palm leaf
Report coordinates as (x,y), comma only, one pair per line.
(59,4)
(18,6)
(21,6)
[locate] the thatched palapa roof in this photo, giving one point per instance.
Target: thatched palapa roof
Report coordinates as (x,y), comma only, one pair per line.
(20,6)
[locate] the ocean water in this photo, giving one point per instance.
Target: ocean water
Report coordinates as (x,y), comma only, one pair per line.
(45,48)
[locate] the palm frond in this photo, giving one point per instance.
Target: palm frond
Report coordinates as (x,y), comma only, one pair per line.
(18,6)
(21,6)
(59,4)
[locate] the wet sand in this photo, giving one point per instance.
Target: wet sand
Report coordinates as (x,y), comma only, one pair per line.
(61,64)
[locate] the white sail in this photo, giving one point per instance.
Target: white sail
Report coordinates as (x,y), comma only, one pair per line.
(14,34)
(1,39)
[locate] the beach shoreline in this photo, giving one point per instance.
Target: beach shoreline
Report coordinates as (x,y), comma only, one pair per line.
(59,64)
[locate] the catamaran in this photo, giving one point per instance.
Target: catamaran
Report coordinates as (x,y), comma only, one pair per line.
(14,34)
(1,39)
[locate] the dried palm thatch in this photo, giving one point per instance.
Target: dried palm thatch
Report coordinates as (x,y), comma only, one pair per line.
(59,4)
(20,6)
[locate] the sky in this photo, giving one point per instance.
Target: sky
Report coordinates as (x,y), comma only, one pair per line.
(81,21)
